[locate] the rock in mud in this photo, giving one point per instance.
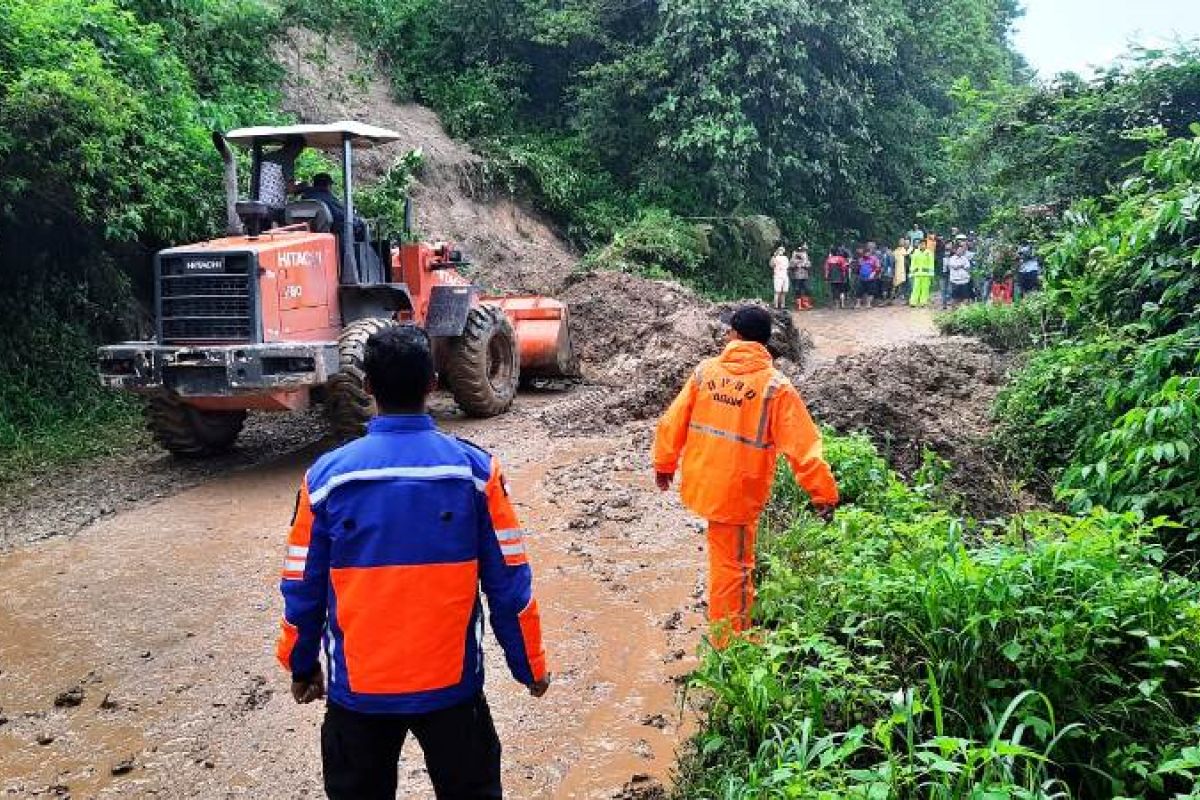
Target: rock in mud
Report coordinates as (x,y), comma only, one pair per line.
(124,766)
(658,721)
(642,787)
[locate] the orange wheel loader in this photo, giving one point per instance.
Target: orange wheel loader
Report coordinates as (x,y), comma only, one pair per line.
(275,315)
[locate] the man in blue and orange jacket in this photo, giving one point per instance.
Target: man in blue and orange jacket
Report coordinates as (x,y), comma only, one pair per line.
(393,536)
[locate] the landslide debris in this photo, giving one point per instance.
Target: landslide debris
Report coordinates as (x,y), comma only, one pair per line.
(638,339)
(935,394)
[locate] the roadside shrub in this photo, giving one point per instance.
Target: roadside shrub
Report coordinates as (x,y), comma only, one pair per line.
(913,655)
(1149,460)
(1133,259)
(657,243)
(1032,322)
(1054,403)
(105,157)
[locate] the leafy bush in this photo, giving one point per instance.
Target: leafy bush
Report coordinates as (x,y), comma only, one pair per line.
(1032,322)
(105,157)
(1109,417)
(1135,260)
(656,243)
(386,201)
(905,654)
(1149,461)
(1054,403)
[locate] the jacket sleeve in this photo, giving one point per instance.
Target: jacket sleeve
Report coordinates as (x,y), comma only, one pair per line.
(799,440)
(507,581)
(672,431)
(305,590)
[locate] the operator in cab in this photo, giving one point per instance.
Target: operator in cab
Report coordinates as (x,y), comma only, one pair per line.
(322,190)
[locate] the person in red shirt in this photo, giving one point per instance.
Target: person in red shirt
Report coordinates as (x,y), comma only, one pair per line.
(837,275)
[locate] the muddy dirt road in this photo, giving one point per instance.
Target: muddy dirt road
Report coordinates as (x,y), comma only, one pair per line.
(136,655)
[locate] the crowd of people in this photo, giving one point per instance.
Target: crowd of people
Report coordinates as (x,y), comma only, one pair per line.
(922,268)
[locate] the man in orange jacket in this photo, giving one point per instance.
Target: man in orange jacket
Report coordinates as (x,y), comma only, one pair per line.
(728,422)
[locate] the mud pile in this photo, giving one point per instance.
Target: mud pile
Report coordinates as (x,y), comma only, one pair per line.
(935,394)
(512,247)
(638,340)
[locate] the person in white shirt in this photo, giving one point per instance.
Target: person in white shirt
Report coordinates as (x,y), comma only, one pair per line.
(958,266)
(779,271)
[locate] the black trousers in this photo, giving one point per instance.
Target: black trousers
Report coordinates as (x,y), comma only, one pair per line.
(361,752)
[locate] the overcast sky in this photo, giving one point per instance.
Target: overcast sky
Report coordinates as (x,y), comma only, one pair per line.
(1061,35)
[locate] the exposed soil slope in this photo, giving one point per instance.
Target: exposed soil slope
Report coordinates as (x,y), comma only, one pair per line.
(513,248)
(934,394)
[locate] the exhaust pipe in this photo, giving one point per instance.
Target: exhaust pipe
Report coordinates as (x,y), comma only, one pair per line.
(233,221)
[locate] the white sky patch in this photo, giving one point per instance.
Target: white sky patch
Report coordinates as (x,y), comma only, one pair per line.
(1081,35)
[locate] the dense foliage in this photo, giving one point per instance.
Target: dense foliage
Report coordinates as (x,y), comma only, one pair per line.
(105,157)
(825,116)
(1043,147)
(906,653)
(1107,417)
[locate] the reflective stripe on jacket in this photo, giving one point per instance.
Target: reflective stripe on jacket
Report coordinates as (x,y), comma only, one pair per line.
(394,534)
(728,423)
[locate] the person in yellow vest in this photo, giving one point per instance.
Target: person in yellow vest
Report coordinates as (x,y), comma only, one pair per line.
(920,267)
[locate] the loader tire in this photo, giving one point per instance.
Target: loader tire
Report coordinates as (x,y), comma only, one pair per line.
(348,407)
(484,365)
(188,432)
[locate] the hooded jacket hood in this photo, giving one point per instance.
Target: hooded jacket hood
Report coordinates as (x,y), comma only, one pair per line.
(742,356)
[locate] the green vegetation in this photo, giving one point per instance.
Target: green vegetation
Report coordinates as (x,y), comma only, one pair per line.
(1045,147)
(825,117)
(907,653)
(105,157)
(1107,417)
(1018,326)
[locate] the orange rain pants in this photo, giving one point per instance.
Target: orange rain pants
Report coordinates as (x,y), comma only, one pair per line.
(730,578)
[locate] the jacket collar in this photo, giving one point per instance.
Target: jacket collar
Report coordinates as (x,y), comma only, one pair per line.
(401,423)
(745,355)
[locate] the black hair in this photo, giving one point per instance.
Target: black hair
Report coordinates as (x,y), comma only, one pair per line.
(399,365)
(322,180)
(752,323)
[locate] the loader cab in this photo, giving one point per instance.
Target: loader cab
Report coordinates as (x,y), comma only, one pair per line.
(365,281)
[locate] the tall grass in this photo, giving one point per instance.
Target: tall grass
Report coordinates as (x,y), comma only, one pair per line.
(1030,323)
(908,653)
(56,437)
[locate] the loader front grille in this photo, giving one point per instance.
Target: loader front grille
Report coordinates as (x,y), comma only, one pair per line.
(207,298)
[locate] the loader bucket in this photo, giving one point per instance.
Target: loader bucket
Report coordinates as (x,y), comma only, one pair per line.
(543,335)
